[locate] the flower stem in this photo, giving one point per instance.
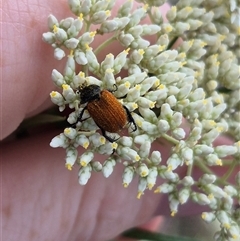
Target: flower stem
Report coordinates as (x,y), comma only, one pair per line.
(170,139)
(104,44)
(225,177)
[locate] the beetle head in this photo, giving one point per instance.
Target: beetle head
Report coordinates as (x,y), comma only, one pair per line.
(90,93)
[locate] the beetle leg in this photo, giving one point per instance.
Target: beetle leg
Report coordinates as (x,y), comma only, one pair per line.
(130,118)
(106,136)
(79,117)
(113,90)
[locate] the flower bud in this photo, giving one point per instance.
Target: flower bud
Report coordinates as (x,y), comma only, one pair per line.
(108,166)
(84,174)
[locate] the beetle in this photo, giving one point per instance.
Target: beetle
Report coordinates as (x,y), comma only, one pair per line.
(105,109)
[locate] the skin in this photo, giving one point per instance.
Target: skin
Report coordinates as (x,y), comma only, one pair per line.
(41,200)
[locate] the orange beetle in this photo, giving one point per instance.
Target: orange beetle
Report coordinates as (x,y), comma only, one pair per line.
(107,112)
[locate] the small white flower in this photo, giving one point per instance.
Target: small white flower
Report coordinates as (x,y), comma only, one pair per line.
(108,166)
(155,157)
(172,101)
(194,24)
(142,185)
(225,150)
(125,8)
(152,51)
(163,126)
(71,43)
(48,37)
(187,155)
(183,195)
(215,191)
(173,204)
(80,57)
(152,177)
(181,27)
(136,16)
(213,160)
(207,179)
(208,216)
(59,141)
(97,140)
(127,176)
(92,59)
(173,162)
(71,157)
(184,12)
(187,181)
(52,21)
(195,135)
(218,110)
(84,174)
(184,92)
(145,149)
(57,78)
(230,190)
(69,70)
(126,141)
(108,148)
(108,26)
(172,13)
(210,136)
(223,218)
(68,93)
(81,140)
(109,78)
(96,166)
(150,29)
(120,61)
(59,34)
(57,98)
(149,127)
(143,170)
(136,56)
(66,23)
(200,198)
(107,63)
(234,231)
(75,28)
(85,158)
(126,39)
(166,112)
(71,133)
(169,175)
(228,203)
(99,17)
(179,133)
(148,115)
(203,150)
(128,154)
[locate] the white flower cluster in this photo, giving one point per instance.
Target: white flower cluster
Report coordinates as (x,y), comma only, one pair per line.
(187,96)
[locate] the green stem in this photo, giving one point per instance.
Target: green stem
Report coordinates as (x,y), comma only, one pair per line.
(170,139)
(228,173)
(207,170)
(172,42)
(85,70)
(104,44)
(150,15)
(189,170)
(138,233)
(203,167)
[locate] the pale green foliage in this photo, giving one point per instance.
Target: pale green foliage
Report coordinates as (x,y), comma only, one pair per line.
(188,96)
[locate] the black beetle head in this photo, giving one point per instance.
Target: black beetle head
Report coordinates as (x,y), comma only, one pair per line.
(90,93)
